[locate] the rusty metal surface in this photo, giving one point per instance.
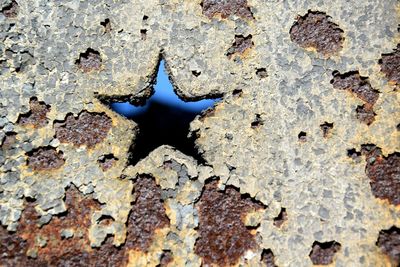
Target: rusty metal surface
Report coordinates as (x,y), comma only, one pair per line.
(85,129)
(44,158)
(226,8)
(323,253)
(223,237)
(306,127)
(37,116)
(316,30)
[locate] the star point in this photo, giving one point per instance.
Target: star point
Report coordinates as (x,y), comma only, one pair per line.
(163,119)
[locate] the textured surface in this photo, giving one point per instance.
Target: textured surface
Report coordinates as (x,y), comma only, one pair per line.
(315,30)
(45,159)
(324,253)
(282,134)
(223,236)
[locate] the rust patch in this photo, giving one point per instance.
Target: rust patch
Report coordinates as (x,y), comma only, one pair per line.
(315,30)
(147,214)
(37,116)
(223,237)
(59,251)
(89,61)
(360,86)
(268,258)
(87,129)
(326,128)
(13,250)
(46,245)
(11,10)
(390,65)
(389,243)
(365,114)
(240,45)
(107,161)
(383,173)
(9,140)
(281,218)
(166,258)
(323,253)
(355,83)
(226,8)
(45,159)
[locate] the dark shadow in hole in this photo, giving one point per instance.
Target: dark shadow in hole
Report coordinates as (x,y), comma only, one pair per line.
(353,153)
(163,120)
(302,136)
(163,125)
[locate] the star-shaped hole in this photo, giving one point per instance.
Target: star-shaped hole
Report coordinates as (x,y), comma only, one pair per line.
(163,118)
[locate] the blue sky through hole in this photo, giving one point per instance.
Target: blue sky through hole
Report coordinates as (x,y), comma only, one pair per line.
(164,94)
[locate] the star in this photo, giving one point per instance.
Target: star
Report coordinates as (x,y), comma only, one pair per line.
(163,120)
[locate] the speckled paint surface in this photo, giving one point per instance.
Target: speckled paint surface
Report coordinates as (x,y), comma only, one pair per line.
(282,135)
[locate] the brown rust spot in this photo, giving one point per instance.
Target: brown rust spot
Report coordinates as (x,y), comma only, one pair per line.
(107,161)
(383,173)
(147,214)
(54,250)
(389,243)
(78,218)
(89,61)
(390,65)
(9,140)
(223,236)
(355,83)
(323,253)
(166,258)
(240,45)
(226,8)
(315,30)
(268,258)
(45,159)
(11,10)
(13,250)
(87,129)
(326,128)
(37,116)
(281,218)
(360,86)
(365,114)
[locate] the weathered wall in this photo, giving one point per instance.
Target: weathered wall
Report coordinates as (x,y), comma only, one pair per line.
(302,151)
